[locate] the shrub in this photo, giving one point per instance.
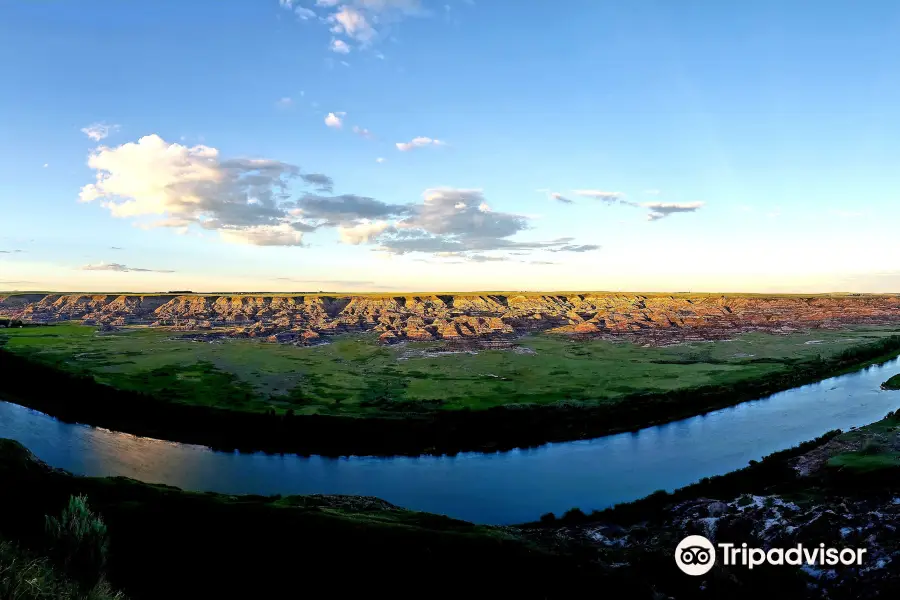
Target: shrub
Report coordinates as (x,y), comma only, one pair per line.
(573,514)
(548,517)
(79,542)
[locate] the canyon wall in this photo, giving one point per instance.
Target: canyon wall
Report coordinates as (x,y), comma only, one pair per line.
(303,319)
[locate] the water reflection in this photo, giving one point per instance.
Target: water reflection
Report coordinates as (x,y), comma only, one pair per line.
(505,487)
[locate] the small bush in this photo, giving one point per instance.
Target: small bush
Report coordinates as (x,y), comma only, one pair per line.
(548,517)
(573,514)
(79,542)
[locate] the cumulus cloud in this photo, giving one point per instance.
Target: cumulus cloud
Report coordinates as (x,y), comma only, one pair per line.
(418,142)
(353,23)
(452,221)
(322,182)
(339,46)
(99,131)
(346,210)
(363,232)
(335,120)
(120,268)
(244,199)
(660,210)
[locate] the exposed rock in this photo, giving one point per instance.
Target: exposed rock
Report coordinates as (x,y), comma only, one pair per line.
(657,319)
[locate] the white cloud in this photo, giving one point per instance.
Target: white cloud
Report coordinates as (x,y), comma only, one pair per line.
(339,46)
(600,195)
(660,210)
(335,120)
(264,235)
(302,13)
(380,160)
(99,131)
(186,187)
(362,132)
(418,142)
(284,102)
(555,196)
(46,165)
(357,20)
(352,23)
(120,268)
(364,232)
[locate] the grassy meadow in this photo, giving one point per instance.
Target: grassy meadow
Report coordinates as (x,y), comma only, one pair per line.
(353,375)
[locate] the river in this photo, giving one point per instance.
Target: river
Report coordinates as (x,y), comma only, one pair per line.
(500,488)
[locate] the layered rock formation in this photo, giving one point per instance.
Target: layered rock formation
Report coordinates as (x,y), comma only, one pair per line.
(305,318)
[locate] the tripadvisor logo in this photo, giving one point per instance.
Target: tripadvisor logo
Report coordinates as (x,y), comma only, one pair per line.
(696,555)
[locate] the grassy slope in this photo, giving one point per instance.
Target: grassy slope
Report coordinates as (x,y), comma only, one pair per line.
(892,384)
(23,576)
(353,375)
(169,543)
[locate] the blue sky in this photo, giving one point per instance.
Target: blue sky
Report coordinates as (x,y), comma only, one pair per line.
(658,146)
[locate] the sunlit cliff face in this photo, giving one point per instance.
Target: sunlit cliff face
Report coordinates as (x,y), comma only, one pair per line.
(301,318)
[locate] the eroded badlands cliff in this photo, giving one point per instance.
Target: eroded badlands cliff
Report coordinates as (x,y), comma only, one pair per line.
(303,319)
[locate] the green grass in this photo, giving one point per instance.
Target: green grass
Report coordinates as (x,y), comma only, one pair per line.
(892,384)
(24,576)
(866,462)
(353,375)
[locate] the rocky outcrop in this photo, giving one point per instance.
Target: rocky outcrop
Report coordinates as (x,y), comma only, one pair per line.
(654,319)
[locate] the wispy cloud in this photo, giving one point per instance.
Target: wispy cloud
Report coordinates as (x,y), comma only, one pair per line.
(418,142)
(603,196)
(380,159)
(339,46)
(99,131)
(660,210)
(284,102)
(120,268)
(557,196)
(11,251)
(362,132)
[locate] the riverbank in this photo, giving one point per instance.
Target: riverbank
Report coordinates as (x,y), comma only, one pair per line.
(271,546)
(892,384)
(80,398)
(166,543)
(840,490)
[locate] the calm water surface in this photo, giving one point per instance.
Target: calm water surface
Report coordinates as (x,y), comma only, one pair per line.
(507,487)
